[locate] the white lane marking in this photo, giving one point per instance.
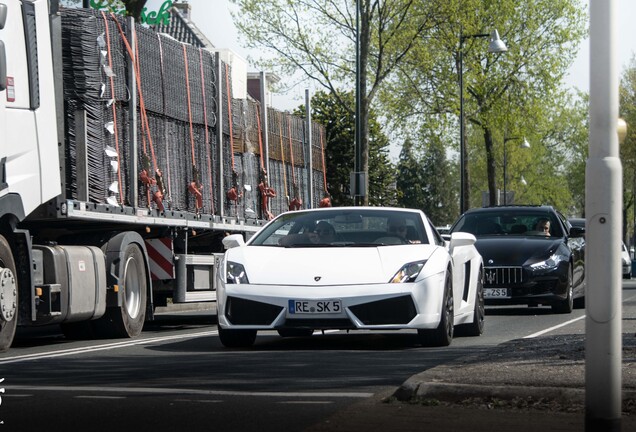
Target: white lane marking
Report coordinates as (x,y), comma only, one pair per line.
(553,328)
(184,391)
(102,347)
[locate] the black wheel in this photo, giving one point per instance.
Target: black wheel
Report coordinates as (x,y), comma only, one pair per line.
(476,328)
(8,296)
(301,332)
(232,338)
(127,320)
(443,334)
(566,305)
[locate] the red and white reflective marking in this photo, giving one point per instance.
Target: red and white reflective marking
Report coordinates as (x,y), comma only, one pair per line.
(161,255)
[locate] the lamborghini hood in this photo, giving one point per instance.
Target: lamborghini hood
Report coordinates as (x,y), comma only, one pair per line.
(325,266)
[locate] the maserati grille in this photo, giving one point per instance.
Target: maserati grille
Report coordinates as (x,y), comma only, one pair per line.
(502,276)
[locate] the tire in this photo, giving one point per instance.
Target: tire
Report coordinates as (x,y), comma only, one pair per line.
(292,332)
(232,338)
(443,334)
(567,305)
(9,301)
(476,328)
(127,320)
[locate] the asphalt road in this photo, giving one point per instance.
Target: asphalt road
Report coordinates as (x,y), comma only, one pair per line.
(178,375)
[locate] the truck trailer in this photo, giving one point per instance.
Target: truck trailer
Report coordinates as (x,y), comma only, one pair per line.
(124,161)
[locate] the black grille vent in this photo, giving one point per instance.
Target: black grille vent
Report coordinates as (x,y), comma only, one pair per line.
(503,276)
(248,312)
(397,310)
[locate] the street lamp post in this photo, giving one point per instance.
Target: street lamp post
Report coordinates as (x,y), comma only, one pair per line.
(524,144)
(496,45)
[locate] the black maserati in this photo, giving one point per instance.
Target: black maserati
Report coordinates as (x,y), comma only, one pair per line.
(532,255)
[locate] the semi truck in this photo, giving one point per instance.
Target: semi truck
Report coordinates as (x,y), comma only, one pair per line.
(124,161)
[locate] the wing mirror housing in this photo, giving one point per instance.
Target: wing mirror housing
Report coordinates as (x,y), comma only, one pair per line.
(233,240)
(459,238)
(577,232)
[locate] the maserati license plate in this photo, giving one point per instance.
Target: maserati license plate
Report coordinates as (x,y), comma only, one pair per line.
(496,293)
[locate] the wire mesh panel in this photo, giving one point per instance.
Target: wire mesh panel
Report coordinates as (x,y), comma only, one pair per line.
(177,148)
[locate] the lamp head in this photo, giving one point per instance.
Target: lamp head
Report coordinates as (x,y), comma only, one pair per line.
(525,144)
(496,45)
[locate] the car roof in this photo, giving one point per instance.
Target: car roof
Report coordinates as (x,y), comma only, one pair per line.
(510,207)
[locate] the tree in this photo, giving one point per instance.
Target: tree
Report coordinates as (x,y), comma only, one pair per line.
(511,94)
(318,38)
(425,178)
(339,127)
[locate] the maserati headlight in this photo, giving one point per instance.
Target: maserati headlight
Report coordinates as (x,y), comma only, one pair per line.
(235,273)
(408,272)
(548,264)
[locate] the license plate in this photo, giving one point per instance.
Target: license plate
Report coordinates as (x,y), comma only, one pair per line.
(314,306)
(495,293)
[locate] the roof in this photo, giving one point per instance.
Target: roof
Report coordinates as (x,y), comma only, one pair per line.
(510,207)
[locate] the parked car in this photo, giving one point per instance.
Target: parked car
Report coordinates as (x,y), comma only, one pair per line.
(379,269)
(523,265)
(626,262)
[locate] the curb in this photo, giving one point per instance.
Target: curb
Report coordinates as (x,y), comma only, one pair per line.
(414,390)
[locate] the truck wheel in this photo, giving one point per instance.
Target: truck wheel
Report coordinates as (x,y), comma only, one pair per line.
(127,320)
(8,296)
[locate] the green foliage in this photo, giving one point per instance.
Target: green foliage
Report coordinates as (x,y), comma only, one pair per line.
(409,57)
(512,94)
(627,112)
(340,127)
(426,179)
(328,42)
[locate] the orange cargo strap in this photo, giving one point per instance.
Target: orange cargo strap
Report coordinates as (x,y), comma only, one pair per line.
(195,185)
(260,138)
(324,167)
(233,194)
(145,127)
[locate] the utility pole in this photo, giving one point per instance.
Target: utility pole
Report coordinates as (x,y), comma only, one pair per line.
(603,212)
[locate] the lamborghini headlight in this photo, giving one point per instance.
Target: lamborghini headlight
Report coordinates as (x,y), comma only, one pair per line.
(408,272)
(235,273)
(548,264)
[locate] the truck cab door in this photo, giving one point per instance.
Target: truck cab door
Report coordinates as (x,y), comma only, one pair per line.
(28,125)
